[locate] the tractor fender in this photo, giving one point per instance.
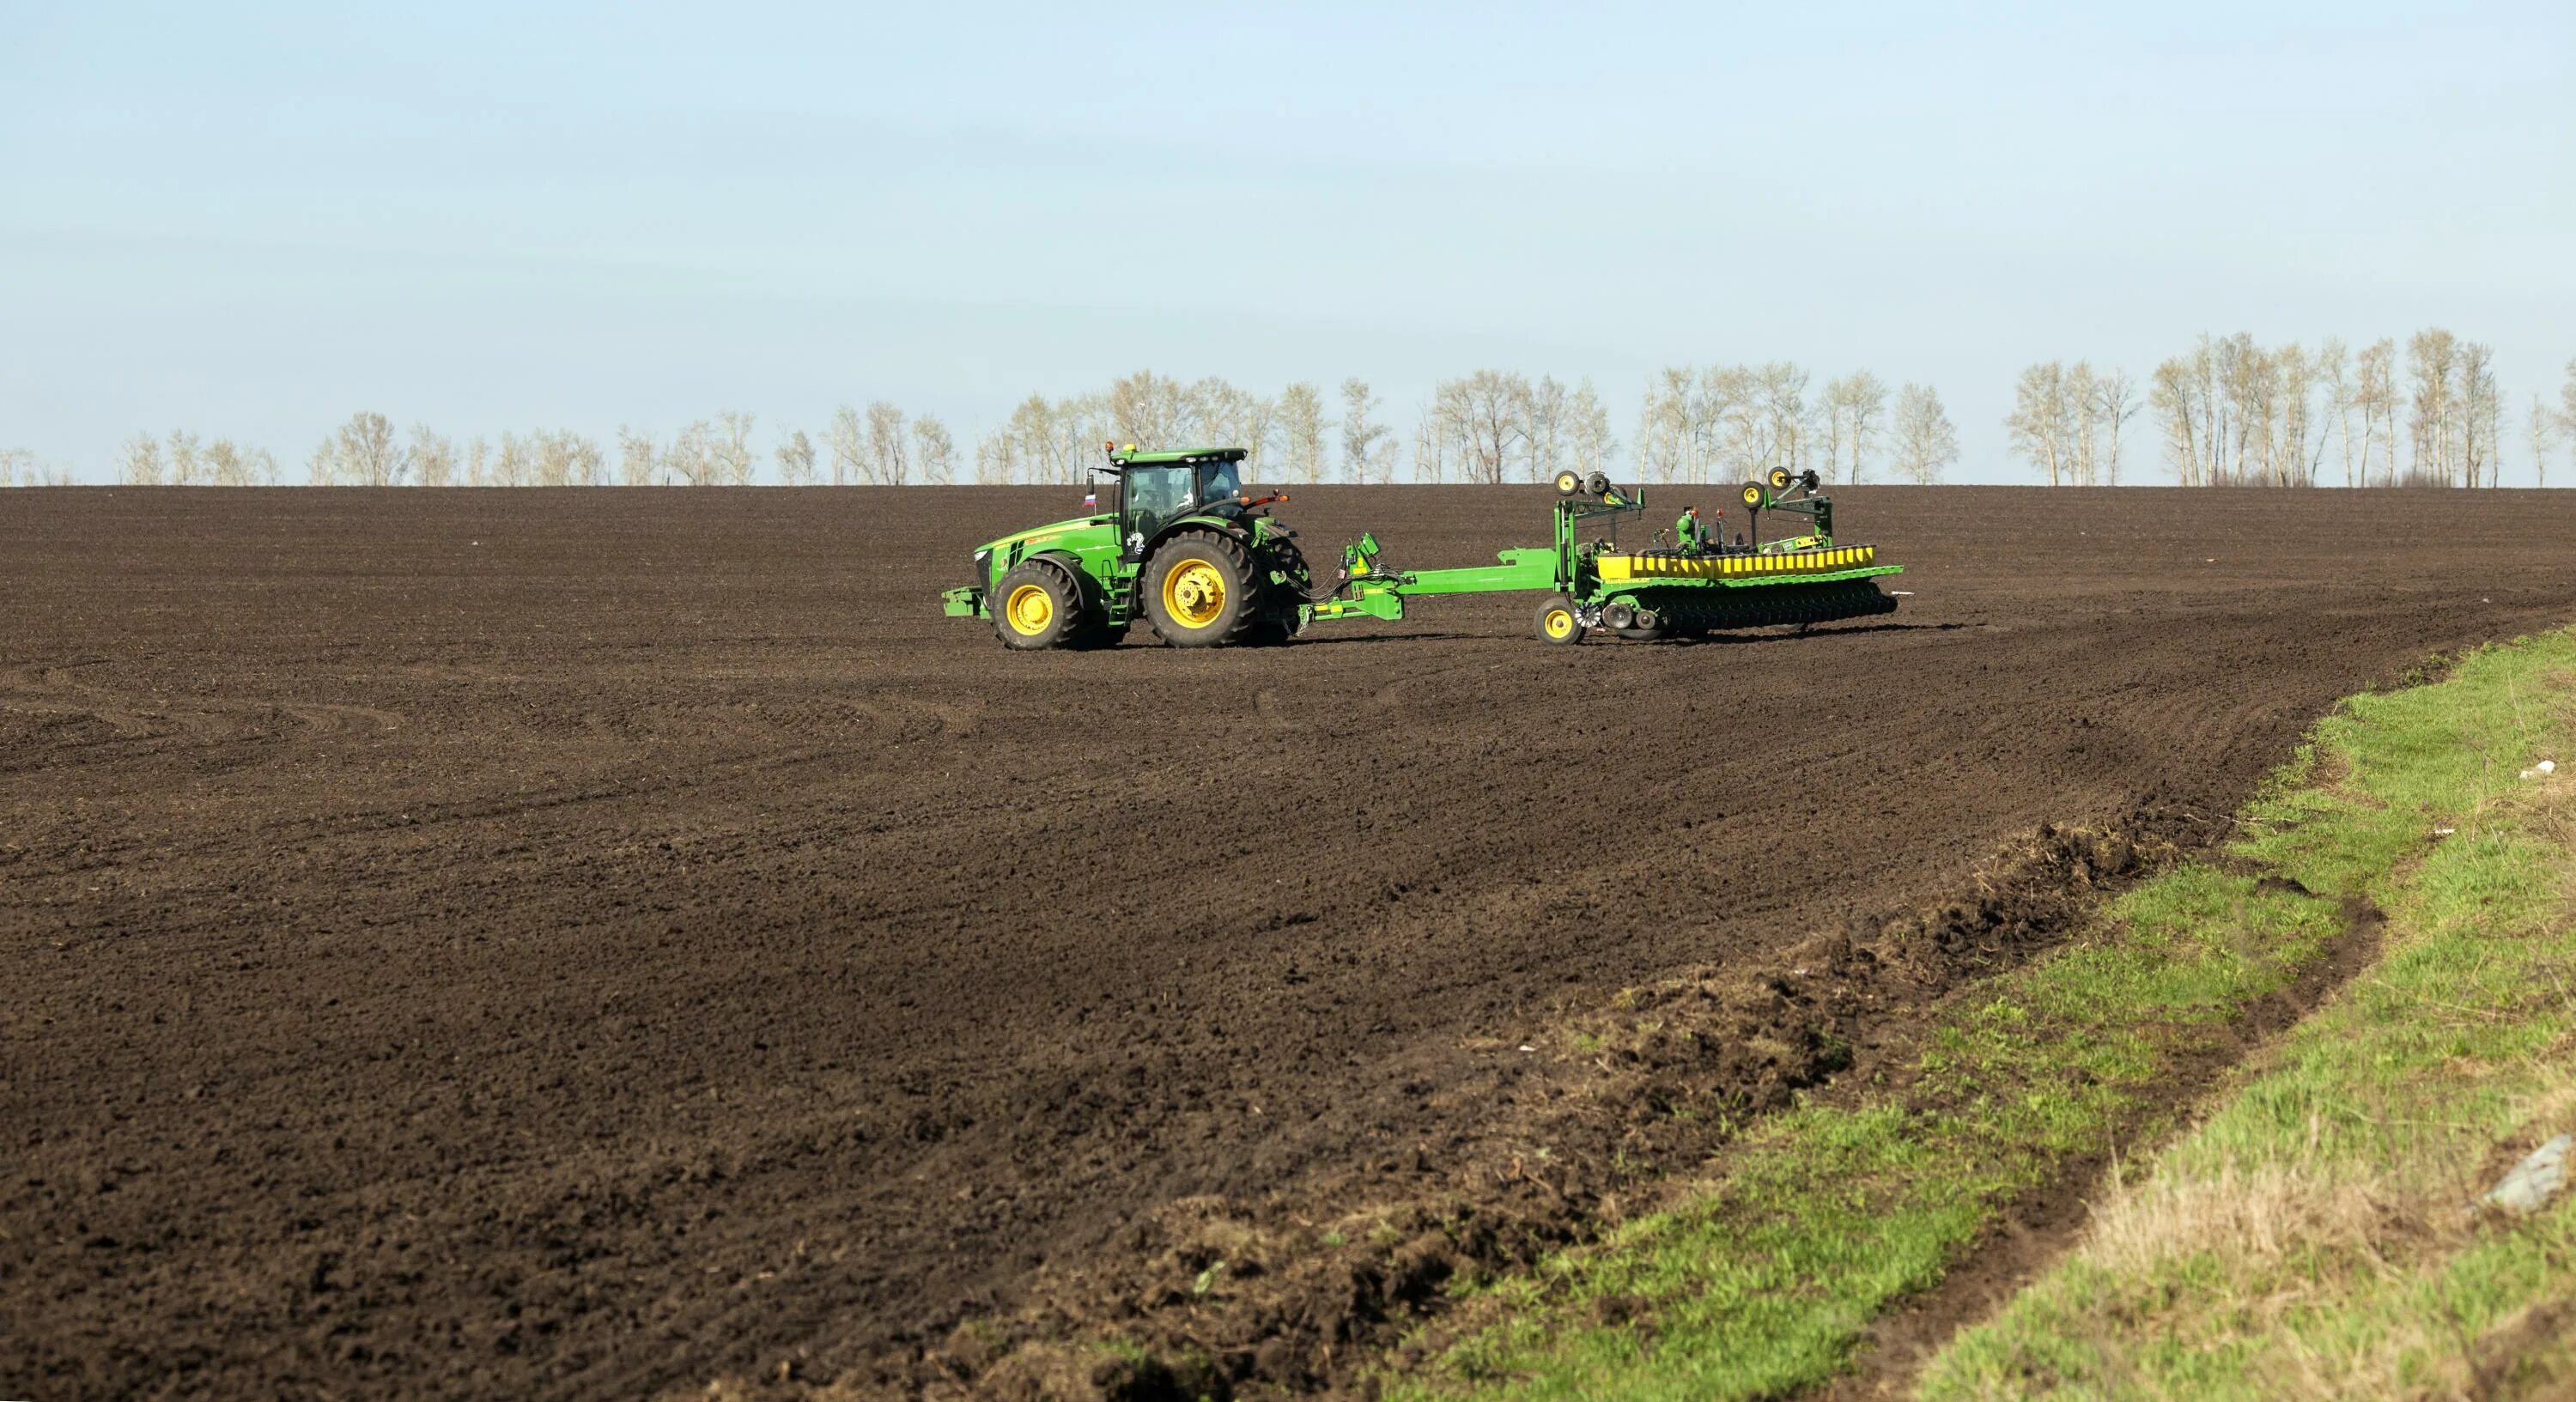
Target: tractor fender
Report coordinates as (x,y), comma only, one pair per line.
(1085,587)
(1219,524)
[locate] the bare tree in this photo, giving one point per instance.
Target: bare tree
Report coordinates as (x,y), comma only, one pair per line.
(1152,411)
(2334,374)
(138,462)
(2374,392)
(513,462)
(996,458)
(889,458)
(690,460)
(2543,430)
(1926,441)
(2432,362)
(849,443)
(433,458)
(2115,402)
(1482,423)
(934,450)
(225,466)
(1781,390)
(1853,405)
(1543,420)
(1301,434)
(2174,393)
(730,449)
(796,460)
(566,459)
(364,453)
(18,465)
(2082,416)
(185,470)
(636,457)
(2481,414)
(2567,408)
(2041,422)
(1360,429)
(478,460)
(1587,430)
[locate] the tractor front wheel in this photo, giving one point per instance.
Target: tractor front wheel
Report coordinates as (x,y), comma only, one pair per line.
(1558,622)
(1037,606)
(1199,590)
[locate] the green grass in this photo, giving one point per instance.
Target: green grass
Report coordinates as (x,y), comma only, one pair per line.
(1762,1281)
(2309,1238)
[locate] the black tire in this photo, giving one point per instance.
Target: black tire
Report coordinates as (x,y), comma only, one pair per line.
(1037,606)
(1220,560)
(1099,635)
(1271,630)
(1781,477)
(1558,622)
(1751,495)
(1599,485)
(1568,482)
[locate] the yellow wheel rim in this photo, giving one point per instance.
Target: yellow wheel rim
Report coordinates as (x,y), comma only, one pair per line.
(1753,496)
(1568,484)
(1030,609)
(1559,623)
(1780,478)
(1194,593)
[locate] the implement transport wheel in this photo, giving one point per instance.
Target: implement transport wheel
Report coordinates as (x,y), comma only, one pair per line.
(1199,591)
(1038,606)
(1781,477)
(1752,495)
(1568,482)
(1557,622)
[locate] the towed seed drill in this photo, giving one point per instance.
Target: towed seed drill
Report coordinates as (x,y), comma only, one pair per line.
(1179,541)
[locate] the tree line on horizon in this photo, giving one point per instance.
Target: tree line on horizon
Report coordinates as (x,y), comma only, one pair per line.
(2232,412)
(2228,411)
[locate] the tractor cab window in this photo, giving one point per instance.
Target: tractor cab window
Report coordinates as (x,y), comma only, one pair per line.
(1220,480)
(1153,497)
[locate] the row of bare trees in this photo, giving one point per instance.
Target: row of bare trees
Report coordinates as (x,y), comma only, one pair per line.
(22,468)
(2234,412)
(2229,411)
(1732,422)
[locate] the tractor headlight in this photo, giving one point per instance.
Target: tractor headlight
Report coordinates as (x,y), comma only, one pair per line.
(983,566)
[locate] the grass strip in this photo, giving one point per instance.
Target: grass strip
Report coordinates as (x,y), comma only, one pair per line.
(1762,1282)
(2311,1238)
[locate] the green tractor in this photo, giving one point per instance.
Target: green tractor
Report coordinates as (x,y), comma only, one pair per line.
(1179,540)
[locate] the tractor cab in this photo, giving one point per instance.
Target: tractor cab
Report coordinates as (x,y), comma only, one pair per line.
(1156,489)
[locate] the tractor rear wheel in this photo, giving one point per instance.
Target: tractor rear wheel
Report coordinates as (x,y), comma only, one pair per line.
(1037,606)
(1199,590)
(1558,622)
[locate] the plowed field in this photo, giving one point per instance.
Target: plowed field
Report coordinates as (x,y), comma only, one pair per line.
(535,945)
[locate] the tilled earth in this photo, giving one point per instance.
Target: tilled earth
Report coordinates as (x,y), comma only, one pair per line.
(580,945)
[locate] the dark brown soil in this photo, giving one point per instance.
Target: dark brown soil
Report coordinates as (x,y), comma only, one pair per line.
(589,944)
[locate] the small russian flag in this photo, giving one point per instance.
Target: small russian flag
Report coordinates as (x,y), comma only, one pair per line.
(1092,499)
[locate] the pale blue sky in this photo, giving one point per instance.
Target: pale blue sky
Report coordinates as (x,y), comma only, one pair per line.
(250,220)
